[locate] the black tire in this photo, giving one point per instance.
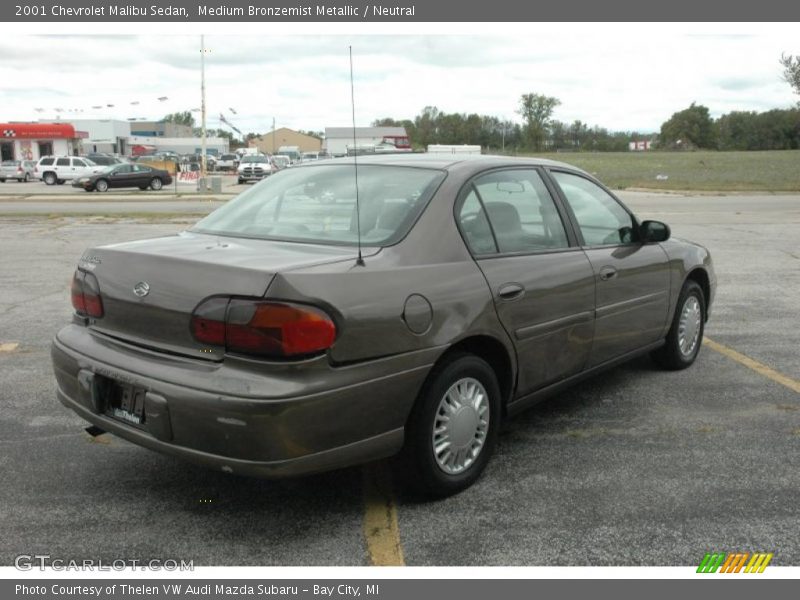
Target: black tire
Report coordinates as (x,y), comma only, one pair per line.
(670,355)
(101,185)
(241,181)
(49,178)
(27,178)
(2,180)
(143,187)
(61,181)
(156,184)
(424,473)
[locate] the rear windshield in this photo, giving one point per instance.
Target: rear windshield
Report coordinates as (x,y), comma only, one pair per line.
(318,204)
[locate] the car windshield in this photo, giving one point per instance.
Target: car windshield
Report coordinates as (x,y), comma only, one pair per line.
(254,159)
(318,204)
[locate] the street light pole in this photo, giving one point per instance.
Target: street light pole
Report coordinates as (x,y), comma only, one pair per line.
(203,109)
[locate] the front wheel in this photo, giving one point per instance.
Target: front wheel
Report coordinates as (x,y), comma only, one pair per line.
(101,185)
(685,336)
(156,184)
(453,426)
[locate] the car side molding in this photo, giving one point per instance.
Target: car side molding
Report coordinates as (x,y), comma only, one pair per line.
(523,403)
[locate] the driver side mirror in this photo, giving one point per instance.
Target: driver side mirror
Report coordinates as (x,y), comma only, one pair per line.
(654,231)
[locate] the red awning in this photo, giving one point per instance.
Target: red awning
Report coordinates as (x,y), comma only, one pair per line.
(37,131)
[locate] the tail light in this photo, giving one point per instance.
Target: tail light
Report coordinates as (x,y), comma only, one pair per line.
(262,328)
(85,294)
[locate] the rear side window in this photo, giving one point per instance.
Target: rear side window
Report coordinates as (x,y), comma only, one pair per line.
(475,226)
(46,162)
(520,210)
(601,219)
(62,162)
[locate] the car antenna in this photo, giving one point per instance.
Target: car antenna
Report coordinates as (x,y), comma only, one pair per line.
(360,259)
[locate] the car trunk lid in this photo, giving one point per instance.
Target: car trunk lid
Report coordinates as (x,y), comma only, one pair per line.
(151,287)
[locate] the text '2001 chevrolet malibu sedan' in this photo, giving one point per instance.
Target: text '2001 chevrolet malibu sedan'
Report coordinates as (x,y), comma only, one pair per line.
(262,342)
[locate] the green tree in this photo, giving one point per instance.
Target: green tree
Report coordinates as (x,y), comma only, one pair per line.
(180,118)
(689,128)
(791,71)
(537,110)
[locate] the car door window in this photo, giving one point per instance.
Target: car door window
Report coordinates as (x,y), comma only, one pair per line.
(601,219)
(123,170)
(62,162)
(475,226)
(78,162)
(521,211)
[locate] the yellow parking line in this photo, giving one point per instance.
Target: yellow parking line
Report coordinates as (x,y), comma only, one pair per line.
(8,346)
(756,366)
(381,530)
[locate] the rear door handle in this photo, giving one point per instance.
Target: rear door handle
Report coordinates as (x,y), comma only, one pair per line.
(607,273)
(510,291)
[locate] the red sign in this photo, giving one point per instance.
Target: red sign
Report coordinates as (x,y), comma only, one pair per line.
(37,131)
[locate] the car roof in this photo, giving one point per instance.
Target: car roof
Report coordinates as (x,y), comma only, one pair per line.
(449,162)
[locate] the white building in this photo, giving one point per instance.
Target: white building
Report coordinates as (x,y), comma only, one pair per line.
(339,139)
(181,145)
(31,141)
(104,135)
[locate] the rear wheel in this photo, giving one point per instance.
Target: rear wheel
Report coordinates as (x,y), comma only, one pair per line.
(49,178)
(101,185)
(27,178)
(156,184)
(685,335)
(61,181)
(2,180)
(453,427)
(143,187)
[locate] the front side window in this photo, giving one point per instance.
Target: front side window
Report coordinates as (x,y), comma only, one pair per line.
(78,162)
(318,204)
(601,219)
(62,162)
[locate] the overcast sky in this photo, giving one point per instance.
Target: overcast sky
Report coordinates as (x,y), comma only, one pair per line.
(602,77)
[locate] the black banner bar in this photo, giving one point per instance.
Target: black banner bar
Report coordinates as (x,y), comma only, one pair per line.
(732,587)
(400,11)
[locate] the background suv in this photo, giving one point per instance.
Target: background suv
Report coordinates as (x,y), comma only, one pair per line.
(58,169)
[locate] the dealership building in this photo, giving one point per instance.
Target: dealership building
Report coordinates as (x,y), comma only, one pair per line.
(31,141)
(269,143)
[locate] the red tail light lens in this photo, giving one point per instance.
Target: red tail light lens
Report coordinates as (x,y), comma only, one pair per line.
(85,293)
(272,329)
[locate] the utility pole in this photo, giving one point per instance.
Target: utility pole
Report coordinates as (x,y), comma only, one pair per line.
(273,135)
(203,171)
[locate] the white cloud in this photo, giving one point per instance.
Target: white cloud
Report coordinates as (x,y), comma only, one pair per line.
(602,75)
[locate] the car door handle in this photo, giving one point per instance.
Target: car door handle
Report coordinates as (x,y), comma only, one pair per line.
(607,273)
(510,291)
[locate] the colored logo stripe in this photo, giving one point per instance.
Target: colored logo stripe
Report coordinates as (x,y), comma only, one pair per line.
(733,562)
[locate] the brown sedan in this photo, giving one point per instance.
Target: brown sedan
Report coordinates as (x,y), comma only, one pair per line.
(265,341)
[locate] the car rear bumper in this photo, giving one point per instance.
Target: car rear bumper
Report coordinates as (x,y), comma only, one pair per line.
(187,414)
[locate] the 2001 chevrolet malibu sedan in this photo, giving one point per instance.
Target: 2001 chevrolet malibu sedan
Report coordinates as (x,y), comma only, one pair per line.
(266,341)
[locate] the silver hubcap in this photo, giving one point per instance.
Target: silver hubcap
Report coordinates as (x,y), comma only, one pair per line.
(156,184)
(460,426)
(689,326)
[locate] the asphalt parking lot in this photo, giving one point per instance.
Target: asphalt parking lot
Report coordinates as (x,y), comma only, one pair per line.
(635,467)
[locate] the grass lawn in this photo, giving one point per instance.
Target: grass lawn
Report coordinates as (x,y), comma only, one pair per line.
(775,171)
